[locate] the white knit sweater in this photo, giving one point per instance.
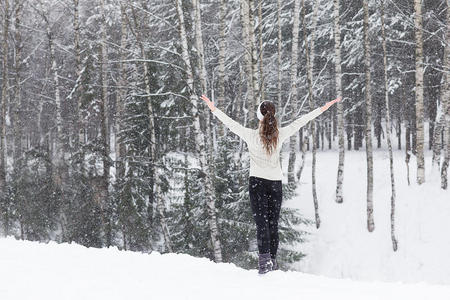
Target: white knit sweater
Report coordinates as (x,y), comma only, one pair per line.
(261,164)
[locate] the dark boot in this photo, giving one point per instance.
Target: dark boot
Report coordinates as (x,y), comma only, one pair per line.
(274,264)
(264,263)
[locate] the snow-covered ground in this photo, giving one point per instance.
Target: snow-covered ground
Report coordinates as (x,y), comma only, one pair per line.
(343,248)
(344,260)
(30,270)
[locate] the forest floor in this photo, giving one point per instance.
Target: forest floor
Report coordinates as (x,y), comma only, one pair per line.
(343,248)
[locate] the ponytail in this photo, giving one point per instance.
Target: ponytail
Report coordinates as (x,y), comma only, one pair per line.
(269,127)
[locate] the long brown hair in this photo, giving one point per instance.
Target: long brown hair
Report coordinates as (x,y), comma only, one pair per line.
(269,127)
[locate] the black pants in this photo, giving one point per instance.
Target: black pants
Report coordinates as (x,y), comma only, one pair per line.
(265,200)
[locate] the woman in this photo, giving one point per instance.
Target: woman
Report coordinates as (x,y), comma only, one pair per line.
(264,145)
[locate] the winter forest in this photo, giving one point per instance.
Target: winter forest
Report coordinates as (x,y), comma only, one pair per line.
(105,142)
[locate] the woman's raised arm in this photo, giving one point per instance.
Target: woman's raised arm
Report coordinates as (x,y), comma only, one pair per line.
(295,126)
(234,126)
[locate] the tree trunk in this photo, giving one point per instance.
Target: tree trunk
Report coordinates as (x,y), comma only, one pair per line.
(220,100)
(309,51)
(445,93)
(303,150)
(199,137)
(294,91)
(369,154)
(340,108)
(401,109)
(388,130)
(104,123)
(279,67)
(17,88)
(261,51)
(446,106)
(4,102)
(58,158)
(257,84)
(438,129)
(279,61)
(419,92)
(120,99)
(251,65)
(78,89)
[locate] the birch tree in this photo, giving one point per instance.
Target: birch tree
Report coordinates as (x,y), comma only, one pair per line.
(261,51)
(279,60)
(419,91)
(309,52)
(293,95)
(256,77)
(251,60)
(199,136)
(388,128)
(340,109)
(220,99)
(368,96)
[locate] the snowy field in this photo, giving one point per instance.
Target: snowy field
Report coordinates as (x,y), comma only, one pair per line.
(343,248)
(32,270)
(344,260)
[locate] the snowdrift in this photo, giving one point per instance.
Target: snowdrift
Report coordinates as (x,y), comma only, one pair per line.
(31,270)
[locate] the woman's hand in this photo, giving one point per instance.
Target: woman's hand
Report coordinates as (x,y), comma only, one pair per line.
(208,102)
(328,104)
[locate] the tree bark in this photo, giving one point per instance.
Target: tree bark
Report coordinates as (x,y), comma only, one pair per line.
(78,89)
(18,87)
(251,65)
(256,77)
(120,99)
(445,93)
(446,105)
(368,131)
(340,108)
(220,100)
(279,61)
(104,124)
(388,130)
(261,51)
(294,91)
(309,51)
(4,102)
(419,92)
